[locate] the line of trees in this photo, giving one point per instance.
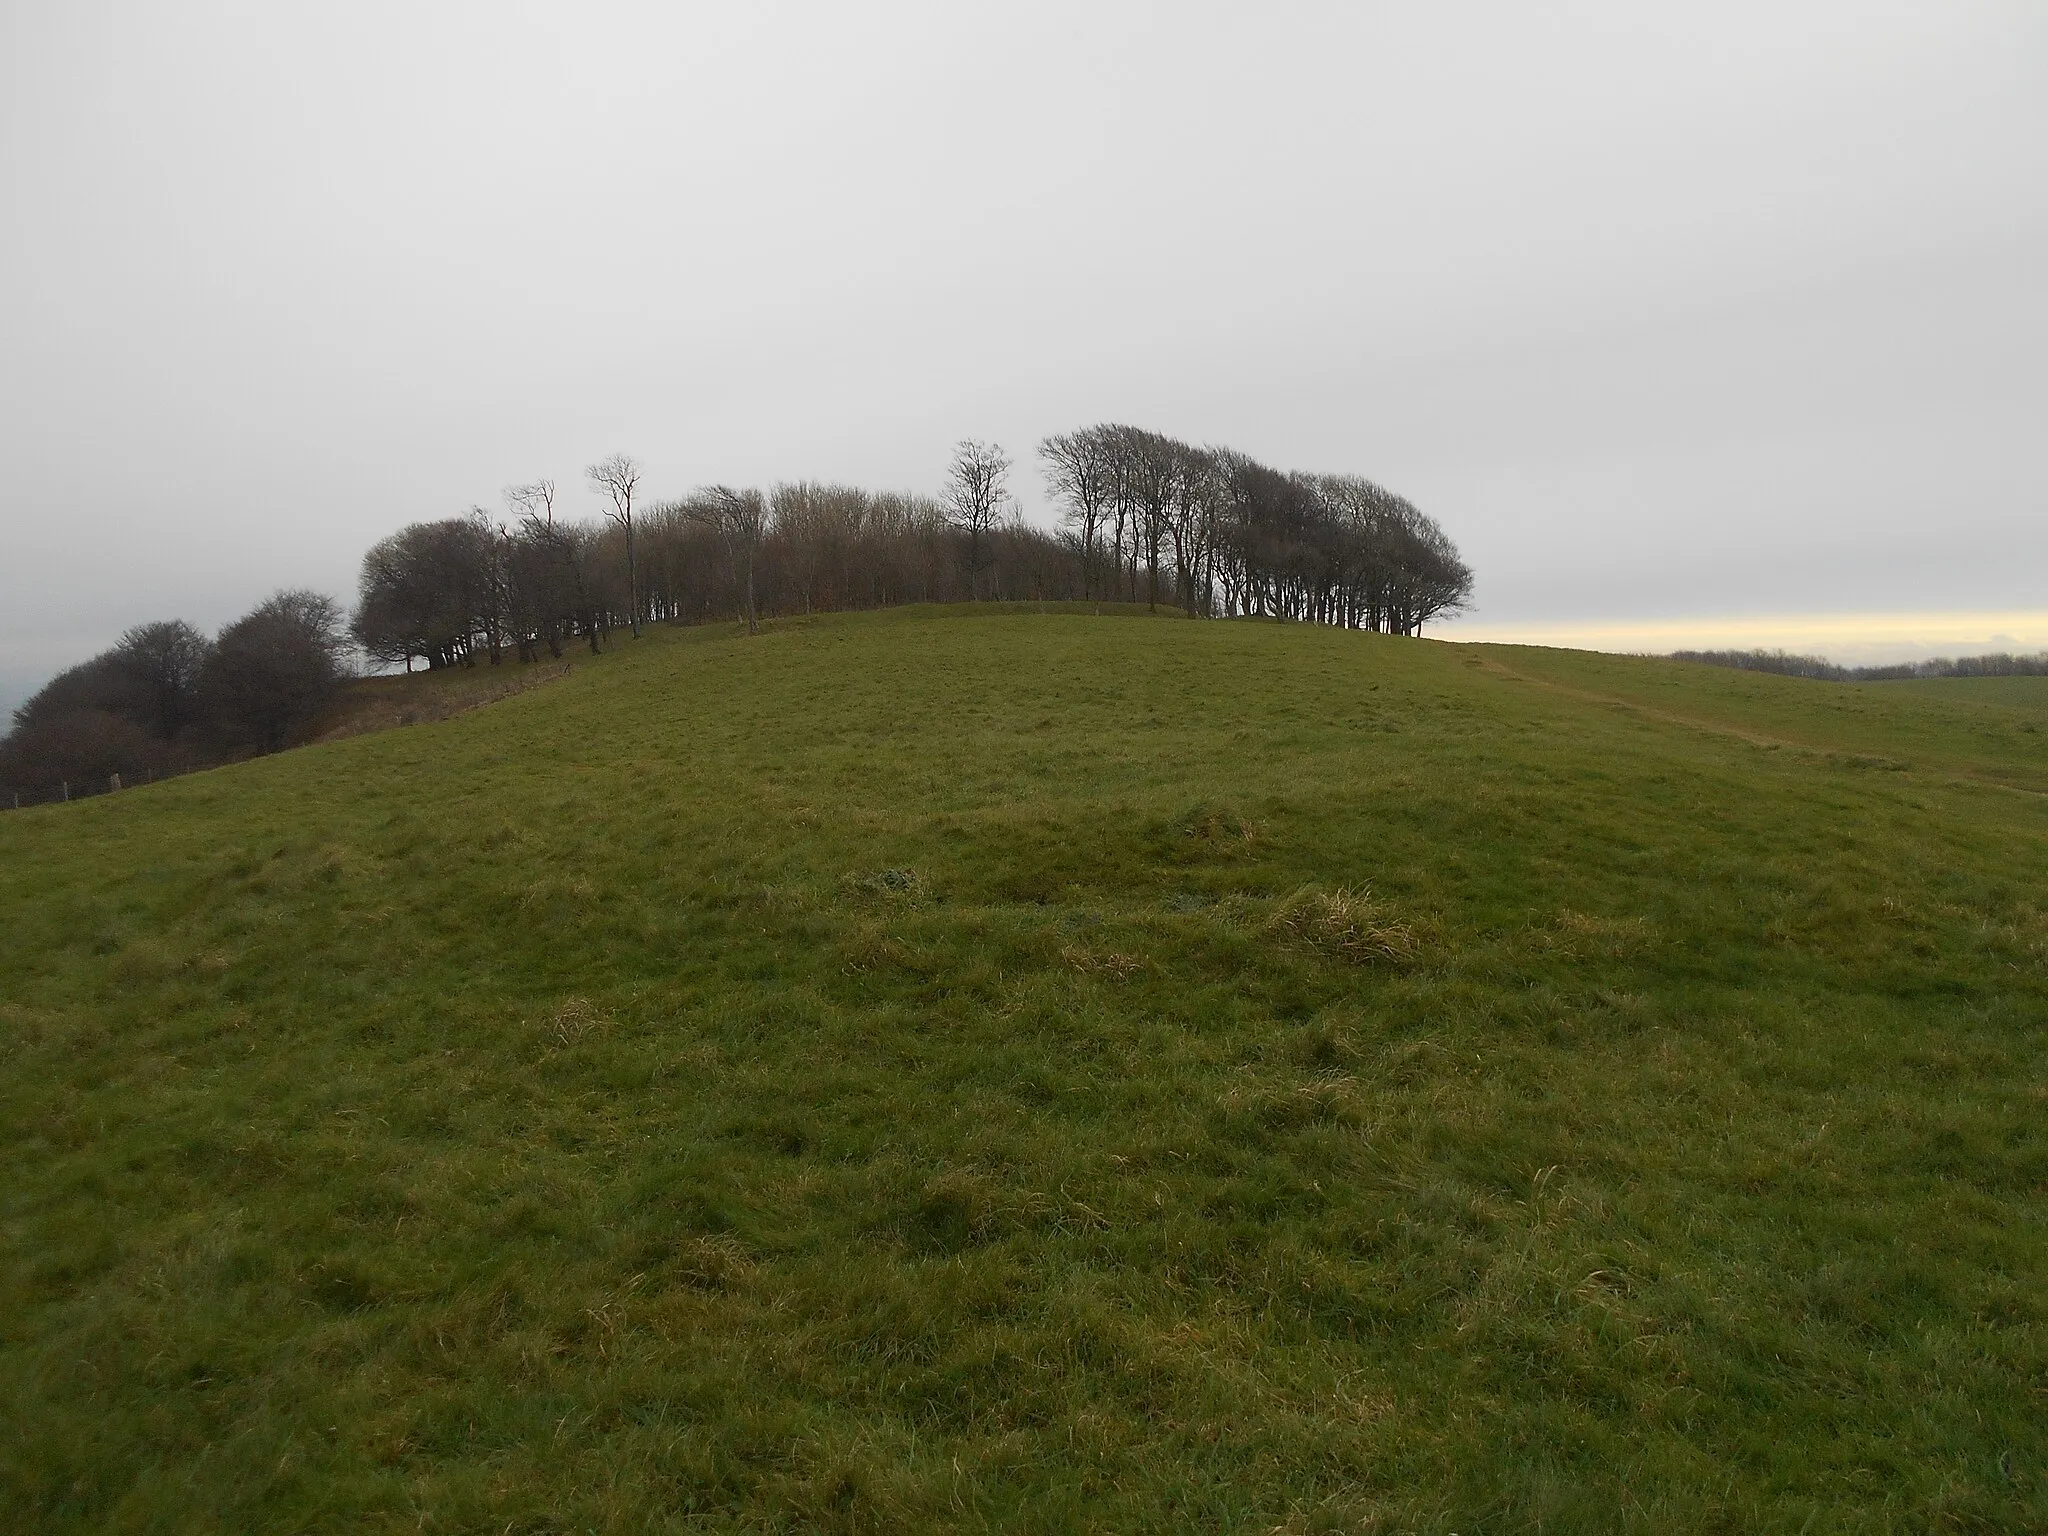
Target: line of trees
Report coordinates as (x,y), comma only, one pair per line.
(1145,518)
(1819,668)
(165,699)
(1215,532)
(480,588)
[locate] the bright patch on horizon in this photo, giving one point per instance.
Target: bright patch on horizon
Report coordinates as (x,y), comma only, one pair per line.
(1850,638)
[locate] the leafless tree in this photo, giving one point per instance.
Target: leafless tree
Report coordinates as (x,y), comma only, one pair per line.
(272,671)
(164,661)
(535,500)
(544,564)
(739,518)
(1191,526)
(1152,468)
(822,530)
(618,477)
(531,565)
(1081,472)
(977,490)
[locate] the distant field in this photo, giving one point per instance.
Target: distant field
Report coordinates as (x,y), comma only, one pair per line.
(947,1070)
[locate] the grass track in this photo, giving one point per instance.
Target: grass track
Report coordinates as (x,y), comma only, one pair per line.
(934,1070)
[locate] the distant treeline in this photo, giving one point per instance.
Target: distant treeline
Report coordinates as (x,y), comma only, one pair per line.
(166,699)
(1786,664)
(1145,518)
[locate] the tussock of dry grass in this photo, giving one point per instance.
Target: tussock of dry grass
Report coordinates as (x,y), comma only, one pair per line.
(898,885)
(1104,962)
(1219,824)
(1584,934)
(576,1020)
(1346,924)
(713,1263)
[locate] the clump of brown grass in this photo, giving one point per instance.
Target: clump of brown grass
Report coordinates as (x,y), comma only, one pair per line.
(548,890)
(1347,924)
(576,1019)
(1118,967)
(1580,933)
(1325,1101)
(904,885)
(869,947)
(712,1263)
(1219,824)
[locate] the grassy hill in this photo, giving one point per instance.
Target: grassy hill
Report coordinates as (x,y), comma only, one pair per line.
(952,1070)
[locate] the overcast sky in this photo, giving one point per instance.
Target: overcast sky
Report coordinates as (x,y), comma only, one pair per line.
(1665,312)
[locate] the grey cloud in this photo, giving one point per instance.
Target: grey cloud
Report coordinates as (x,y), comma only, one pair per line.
(1658,310)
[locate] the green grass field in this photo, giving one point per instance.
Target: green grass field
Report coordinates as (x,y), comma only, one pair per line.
(955,1070)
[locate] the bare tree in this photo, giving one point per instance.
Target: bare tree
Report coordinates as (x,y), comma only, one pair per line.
(618,477)
(272,671)
(823,531)
(536,501)
(529,548)
(164,660)
(549,590)
(1152,465)
(1191,526)
(1080,470)
(977,488)
(739,518)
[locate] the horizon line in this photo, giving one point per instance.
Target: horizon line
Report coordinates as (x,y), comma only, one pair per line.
(1898,635)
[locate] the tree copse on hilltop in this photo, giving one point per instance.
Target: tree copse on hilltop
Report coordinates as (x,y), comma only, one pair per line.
(1217,532)
(1147,518)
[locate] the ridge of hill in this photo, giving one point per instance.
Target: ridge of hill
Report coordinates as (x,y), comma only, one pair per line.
(951,1070)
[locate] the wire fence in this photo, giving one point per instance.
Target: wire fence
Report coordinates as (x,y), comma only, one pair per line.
(65,790)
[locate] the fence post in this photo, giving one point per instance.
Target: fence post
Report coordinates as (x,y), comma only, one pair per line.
(66,784)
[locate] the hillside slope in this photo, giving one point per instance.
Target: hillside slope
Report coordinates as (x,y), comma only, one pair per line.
(949,1070)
